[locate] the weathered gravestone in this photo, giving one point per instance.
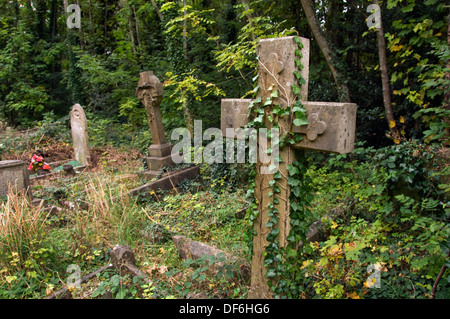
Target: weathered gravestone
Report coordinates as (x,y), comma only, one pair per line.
(150,92)
(14,176)
(331,128)
(80,138)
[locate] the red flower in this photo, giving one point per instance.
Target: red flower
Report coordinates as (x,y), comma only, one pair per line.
(37,163)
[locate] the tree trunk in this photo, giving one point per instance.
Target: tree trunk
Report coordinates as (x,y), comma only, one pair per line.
(130,28)
(342,88)
(447,89)
(74,71)
(136,24)
(249,16)
(53,19)
(447,74)
(185,48)
(155,6)
(105,26)
(385,79)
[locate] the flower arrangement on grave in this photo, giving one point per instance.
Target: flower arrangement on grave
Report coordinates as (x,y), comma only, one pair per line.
(37,163)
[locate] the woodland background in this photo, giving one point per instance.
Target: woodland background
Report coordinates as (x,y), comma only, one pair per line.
(389,198)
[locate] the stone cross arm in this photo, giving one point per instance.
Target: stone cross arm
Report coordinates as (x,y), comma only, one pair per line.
(331,126)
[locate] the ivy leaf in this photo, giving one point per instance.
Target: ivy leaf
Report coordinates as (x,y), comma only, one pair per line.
(296,206)
(298,41)
(269,224)
(296,191)
(298,138)
(298,64)
(291,253)
(298,75)
(258,119)
(270,273)
(292,170)
(300,122)
(295,89)
(293,181)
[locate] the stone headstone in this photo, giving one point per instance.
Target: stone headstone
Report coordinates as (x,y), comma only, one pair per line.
(150,92)
(80,136)
(14,175)
(122,257)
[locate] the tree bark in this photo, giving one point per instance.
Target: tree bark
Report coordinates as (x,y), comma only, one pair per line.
(53,19)
(249,16)
(185,47)
(136,24)
(447,89)
(74,71)
(385,79)
(155,6)
(342,88)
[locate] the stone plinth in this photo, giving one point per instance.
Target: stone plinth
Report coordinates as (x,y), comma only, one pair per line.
(14,174)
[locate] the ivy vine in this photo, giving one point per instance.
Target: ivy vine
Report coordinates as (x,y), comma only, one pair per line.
(282,263)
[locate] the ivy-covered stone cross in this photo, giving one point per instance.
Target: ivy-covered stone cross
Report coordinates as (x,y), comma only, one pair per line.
(330,127)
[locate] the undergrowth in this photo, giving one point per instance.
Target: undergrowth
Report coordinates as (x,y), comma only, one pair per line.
(384,229)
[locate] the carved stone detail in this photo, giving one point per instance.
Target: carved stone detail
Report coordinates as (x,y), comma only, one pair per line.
(315,126)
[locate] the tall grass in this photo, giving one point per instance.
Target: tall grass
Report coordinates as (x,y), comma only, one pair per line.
(112,211)
(21,226)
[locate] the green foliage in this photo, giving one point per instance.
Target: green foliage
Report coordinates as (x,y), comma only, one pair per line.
(27,261)
(420,46)
(123,287)
(378,210)
(380,206)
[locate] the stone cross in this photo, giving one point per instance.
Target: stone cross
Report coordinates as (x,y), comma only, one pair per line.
(150,91)
(331,128)
(80,137)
